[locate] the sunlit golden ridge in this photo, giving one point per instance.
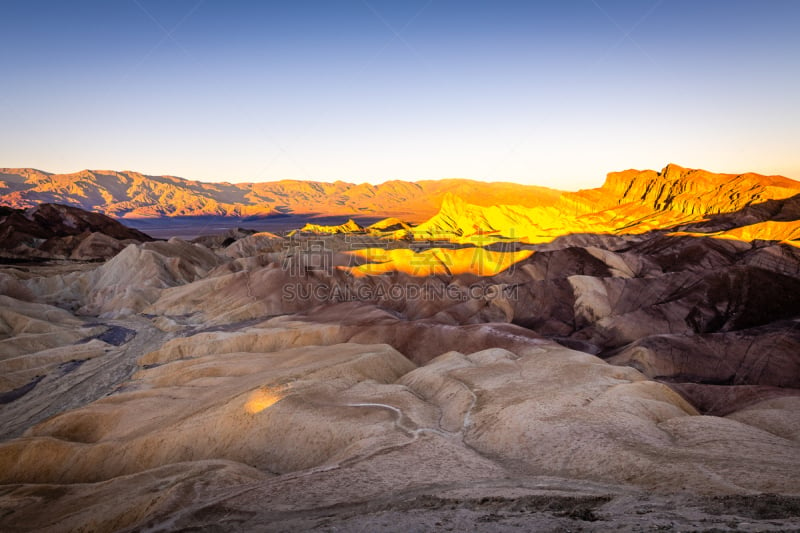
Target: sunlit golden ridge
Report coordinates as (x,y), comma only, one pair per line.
(629,203)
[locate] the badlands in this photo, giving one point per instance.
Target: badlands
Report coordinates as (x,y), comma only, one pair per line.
(620,358)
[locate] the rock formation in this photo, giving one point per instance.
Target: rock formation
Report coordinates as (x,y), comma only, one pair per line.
(348,227)
(633,202)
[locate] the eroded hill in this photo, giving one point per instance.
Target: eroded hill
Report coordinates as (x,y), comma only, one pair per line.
(52,231)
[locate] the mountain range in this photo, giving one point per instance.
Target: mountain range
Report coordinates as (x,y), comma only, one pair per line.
(639,198)
(130,194)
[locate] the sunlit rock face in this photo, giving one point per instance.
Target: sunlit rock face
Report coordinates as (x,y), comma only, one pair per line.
(696,192)
(583,372)
(348,227)
(629,202)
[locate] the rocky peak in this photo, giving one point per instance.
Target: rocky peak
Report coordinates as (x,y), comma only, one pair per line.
(672,172)
(694,192)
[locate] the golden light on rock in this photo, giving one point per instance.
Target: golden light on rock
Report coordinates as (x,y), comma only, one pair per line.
(787,232)
(435,261)
(263,398)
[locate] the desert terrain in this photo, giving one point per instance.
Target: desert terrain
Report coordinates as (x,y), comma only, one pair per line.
(439,356)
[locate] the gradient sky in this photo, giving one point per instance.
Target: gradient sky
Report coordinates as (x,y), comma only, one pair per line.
(554,92)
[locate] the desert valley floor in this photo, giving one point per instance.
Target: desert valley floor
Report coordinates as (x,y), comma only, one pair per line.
(624,358)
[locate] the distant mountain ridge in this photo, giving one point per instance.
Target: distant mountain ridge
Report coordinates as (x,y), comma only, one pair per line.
(130,194)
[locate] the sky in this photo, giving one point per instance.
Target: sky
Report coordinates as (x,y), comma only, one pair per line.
(554,93)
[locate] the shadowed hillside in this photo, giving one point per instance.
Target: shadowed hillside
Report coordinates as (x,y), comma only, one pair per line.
(51,231)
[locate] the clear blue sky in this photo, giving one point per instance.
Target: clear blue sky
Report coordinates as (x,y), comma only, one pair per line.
(550,92)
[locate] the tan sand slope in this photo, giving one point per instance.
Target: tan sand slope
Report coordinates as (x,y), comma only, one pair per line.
(343,428)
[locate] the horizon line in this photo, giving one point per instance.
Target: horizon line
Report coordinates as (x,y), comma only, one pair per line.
(511,181)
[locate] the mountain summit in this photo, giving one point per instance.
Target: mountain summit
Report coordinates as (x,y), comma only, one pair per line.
(691,191)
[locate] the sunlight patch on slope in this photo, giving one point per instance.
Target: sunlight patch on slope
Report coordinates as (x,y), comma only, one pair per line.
(770,230)
(435,261)
(263,398)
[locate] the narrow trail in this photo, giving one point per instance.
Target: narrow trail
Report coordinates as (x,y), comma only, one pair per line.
(401,423)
